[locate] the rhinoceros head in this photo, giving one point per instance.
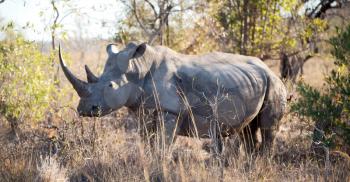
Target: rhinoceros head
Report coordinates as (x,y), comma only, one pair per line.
(112,90)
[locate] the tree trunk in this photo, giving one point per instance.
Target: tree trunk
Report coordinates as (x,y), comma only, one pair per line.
(245,32)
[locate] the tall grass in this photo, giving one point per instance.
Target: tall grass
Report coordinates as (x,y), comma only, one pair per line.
(110,149)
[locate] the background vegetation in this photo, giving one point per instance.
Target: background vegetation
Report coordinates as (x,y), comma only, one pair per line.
(43,139)
(27,83)
(329,108)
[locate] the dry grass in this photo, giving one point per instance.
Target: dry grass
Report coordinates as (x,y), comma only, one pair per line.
(110,149)
(107,149)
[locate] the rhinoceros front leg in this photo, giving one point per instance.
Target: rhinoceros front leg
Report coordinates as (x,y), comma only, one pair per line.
(168,126)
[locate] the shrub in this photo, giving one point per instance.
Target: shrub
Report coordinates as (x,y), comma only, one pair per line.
(330,108)
(27,84)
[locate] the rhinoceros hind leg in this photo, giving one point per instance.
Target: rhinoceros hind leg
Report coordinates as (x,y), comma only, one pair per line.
(267,137)
(271,113)
(269,119)
(249,137)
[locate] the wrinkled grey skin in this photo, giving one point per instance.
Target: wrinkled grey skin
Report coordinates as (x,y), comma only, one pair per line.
(191,91)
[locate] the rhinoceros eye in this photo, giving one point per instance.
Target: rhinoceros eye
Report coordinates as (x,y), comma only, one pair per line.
(112,84)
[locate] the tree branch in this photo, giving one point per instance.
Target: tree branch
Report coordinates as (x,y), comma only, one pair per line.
(153,8)
(138,19)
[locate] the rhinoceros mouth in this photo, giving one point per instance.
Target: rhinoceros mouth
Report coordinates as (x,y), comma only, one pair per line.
(95,113)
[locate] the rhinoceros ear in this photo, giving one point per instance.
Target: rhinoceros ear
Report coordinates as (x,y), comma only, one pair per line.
(132,51)
(137,51)
(112,49)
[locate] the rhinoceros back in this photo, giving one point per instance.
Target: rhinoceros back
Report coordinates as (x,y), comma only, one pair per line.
(221,86)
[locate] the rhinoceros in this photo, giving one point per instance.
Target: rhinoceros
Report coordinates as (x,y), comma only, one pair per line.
(191,93)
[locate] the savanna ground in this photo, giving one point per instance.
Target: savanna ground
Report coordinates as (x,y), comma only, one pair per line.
(110,149)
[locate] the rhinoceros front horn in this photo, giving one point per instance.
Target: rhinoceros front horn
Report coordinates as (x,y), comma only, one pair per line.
(90,76)
(80,86)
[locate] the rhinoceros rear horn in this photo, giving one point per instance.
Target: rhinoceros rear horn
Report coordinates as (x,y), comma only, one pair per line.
(80,86)
(90,76)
